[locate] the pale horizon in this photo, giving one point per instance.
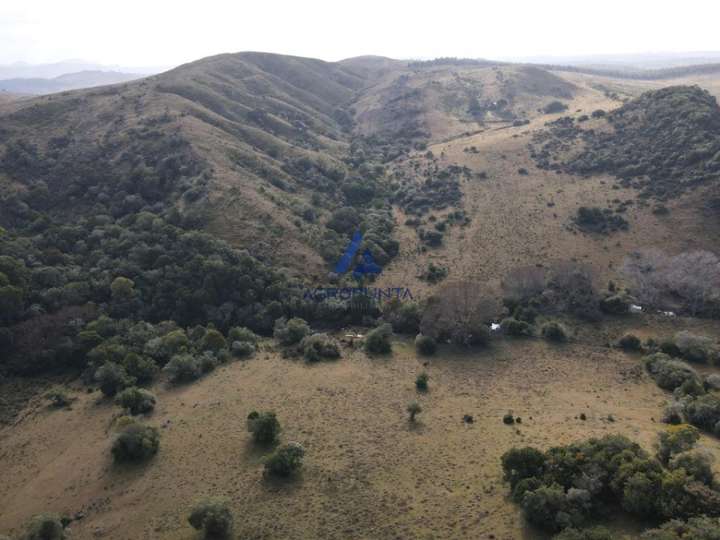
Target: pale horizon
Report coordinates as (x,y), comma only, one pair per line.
(171,33)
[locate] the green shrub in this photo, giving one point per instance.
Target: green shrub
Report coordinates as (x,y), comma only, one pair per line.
(378,340)
(413,410)
(674,413)
(521,463)
(682,497)
(136,400)
(213,341)
(213,517)
(183,368)
(554,107)
(550,508)
(421,382)
(434,273)
(141,368)
(630,342)
(668,346)
(403,316)
(554,331)
(712,381)
(698,464)
(265,427)
(669,374)
(676,439)
(208,361)
(112,378)
(695,528)
(694,348)
(425,345)
(242,334)
(290,332)
(640,480)
(45,527)
(319,346)
(514,327)
(523,486)
(286,460)
(136,442)
(58,397)
(704,411)
(242,349)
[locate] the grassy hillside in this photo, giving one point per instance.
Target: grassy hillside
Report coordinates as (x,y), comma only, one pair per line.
(157,238)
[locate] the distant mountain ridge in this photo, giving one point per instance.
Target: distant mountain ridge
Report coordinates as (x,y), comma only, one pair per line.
(64,82)
(22,70)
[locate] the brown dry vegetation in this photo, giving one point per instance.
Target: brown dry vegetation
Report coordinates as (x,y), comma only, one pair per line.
(368,473)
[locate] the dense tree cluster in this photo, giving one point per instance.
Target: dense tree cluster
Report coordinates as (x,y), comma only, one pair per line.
(564,287)
(54,278)
(568,486)
(663,142)
(696,398)
(686,283)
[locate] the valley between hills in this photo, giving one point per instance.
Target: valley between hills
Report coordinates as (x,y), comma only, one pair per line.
(558,230)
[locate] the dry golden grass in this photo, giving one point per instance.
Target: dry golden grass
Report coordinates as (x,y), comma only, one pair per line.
(520,220)
(368,472)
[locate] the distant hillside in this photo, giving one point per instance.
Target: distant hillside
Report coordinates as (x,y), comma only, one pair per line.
(69,81)
(260,149)
(664,142)
(23,70)
(639,74)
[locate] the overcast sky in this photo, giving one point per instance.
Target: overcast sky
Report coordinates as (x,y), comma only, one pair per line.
(160,32)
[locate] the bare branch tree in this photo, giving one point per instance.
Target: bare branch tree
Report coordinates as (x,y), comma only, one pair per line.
(688,282)
(460,311)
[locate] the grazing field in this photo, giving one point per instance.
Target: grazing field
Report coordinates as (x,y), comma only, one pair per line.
(368,472)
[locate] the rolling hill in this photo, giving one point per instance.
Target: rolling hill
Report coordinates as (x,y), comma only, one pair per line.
(150,229)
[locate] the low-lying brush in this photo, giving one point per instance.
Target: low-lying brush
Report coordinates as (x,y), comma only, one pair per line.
(45,527)
(554,331)
(112,378)
(285,461)
(318,347)
(669,374)
(265,427)
(425,345)
(290,332)
(514,327)
(629,342)
(58,397)
(136,400)
(213,517)
(136,442)
(694,348)
(378,340)
(183,368)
